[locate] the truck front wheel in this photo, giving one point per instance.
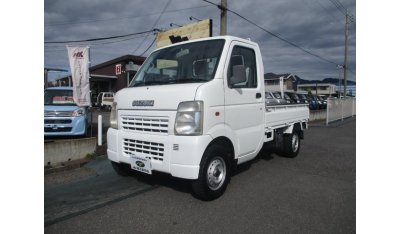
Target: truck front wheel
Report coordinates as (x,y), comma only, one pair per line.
(214,173)
(291,145)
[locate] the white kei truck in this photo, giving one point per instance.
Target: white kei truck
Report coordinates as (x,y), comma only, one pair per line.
(195,110)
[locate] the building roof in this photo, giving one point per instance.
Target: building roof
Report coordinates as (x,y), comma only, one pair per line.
(129,57)
(314,84)
(273,76)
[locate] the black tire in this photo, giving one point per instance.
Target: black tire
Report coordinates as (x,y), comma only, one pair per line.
(122,169)
(291,145)
(214,174)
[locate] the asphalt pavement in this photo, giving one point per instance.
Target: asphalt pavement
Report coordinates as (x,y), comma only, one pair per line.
(312,193)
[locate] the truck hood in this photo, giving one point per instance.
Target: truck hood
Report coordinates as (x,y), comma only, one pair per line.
(160,97)
(60,108)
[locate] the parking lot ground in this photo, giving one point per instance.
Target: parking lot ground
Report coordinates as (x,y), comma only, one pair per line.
(312,193)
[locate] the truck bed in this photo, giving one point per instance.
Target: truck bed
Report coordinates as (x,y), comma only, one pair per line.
(277,116)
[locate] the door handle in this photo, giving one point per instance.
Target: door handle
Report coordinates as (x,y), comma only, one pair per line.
(258,95)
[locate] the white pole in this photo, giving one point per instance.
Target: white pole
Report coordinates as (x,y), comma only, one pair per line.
(342,102)
(327,111)
(99,130)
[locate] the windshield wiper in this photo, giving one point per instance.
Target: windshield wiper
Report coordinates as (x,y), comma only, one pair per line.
(148,83)
(180,81)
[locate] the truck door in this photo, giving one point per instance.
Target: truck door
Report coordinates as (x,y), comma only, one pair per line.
(244,107)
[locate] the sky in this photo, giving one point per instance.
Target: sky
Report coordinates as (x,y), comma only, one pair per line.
(315,25)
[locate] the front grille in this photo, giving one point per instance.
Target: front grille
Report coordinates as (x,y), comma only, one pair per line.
(57,121)
(58,113)
(145,124)
(151,149)
(57,129)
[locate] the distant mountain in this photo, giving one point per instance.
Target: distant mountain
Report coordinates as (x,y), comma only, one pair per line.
(336,81)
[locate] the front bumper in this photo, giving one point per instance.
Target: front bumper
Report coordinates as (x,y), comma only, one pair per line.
(65,126)
(181,154)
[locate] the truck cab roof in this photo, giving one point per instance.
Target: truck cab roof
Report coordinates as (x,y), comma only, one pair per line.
(226,38)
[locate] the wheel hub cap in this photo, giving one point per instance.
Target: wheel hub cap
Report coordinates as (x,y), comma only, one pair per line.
(295,142)
(216,173)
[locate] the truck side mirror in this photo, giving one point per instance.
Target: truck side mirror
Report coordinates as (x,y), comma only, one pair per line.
(238,75)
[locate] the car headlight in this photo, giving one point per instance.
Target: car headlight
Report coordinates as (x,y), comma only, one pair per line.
(189,118)
(78,112)
(113,116)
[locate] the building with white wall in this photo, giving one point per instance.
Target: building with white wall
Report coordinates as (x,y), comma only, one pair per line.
(274,82)
(318,88)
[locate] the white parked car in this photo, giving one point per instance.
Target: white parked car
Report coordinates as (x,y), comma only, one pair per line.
(105,100)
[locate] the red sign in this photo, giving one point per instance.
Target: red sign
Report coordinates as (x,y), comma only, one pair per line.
(118,69)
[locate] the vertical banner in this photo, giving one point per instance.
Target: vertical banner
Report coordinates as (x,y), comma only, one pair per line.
(79,64)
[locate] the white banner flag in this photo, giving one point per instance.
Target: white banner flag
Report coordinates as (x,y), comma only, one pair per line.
(79,64)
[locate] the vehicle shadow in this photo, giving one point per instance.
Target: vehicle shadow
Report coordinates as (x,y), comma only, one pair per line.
(183,185)
(162,179)
(265,153)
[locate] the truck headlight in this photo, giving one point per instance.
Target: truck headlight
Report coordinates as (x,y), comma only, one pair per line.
(189,118)
(113,116)
(78,112)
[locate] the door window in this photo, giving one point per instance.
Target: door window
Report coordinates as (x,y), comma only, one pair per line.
(246,57)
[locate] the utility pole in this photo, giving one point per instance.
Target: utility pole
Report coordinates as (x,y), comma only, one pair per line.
(345,54)
(339,80)
(224,12)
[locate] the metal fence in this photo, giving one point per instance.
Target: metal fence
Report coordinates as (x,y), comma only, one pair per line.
(338,109)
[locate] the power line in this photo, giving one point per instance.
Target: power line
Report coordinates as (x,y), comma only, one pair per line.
(342,9)
(148,47)
(56,48)
(339,6)
(51,51)
(327,11)
(159,17)
(51,46)
(119,18)
(101,38)
(348,69)
(128,39)
(274,34)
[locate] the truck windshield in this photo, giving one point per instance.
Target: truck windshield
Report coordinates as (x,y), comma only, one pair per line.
(187,63)
(58,98)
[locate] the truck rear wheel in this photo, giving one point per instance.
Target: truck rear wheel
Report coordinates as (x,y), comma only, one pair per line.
(214,174)
(122,169)
(291,145)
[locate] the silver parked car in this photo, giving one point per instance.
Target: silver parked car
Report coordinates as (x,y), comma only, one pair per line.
(282,100)
(270,99)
